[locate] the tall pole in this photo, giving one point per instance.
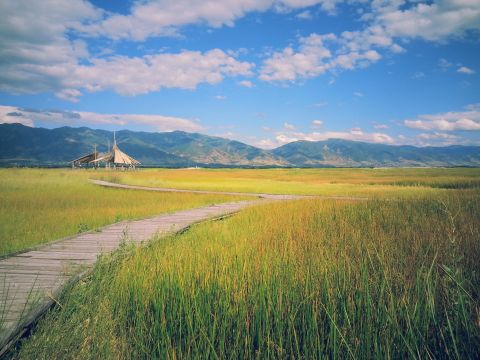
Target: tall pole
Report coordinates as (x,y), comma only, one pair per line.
(115,146)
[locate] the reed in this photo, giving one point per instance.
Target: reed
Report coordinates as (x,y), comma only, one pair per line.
(385,183)
(38,206)
(300,279)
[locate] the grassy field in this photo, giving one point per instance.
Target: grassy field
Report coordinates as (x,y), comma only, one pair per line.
(37,206)
(384,278)
(346,182)
(300,279)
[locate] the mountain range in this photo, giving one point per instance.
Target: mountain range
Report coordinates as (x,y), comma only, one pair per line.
(28,146)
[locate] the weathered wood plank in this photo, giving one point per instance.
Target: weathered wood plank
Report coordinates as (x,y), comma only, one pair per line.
(46,270)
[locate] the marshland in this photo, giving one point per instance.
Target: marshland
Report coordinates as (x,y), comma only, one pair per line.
(393,275)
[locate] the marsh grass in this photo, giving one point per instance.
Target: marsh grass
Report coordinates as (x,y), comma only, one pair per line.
(404,183)
(38,206)
(7,303)
(300,279)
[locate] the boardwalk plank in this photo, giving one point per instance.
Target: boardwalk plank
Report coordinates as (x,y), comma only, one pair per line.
(46,270)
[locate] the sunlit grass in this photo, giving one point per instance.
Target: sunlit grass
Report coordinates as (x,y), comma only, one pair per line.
(345,182)
(37,206)
(301,279)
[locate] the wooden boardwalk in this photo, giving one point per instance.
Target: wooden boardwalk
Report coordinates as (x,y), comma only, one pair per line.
(162,189)
(31,281)
(258,195)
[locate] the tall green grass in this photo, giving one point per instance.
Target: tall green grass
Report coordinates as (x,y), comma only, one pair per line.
(37,206)
(301,279)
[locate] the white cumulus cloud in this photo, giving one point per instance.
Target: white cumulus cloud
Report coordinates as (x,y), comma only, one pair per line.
(353,134)
(35,52)
(246,83)
(386,22)
(304,15)
(431,21)
(133,76)
(465,70)
(317,54)
(437,135)
(39,53)
(165,17)
(356,134)
(468,120)
(29,117)
(44,44)
(13,115)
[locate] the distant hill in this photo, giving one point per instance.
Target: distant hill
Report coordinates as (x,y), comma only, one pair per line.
(336,152)
(21,145)
(196,148)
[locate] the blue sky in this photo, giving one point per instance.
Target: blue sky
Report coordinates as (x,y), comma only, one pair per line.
(265,72)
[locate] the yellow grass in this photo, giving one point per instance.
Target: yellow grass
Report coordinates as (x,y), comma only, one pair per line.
(38,206)
(302,279)
(343,182)
(306,279)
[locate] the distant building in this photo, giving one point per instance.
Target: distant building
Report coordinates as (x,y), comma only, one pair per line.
(114,158)
(117,158)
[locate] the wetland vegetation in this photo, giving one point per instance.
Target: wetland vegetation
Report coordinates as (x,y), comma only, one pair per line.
(395,276)
(42,205)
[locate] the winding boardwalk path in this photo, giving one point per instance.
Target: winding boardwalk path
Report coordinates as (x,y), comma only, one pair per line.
(258,195)
(31,281)
(162,189)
